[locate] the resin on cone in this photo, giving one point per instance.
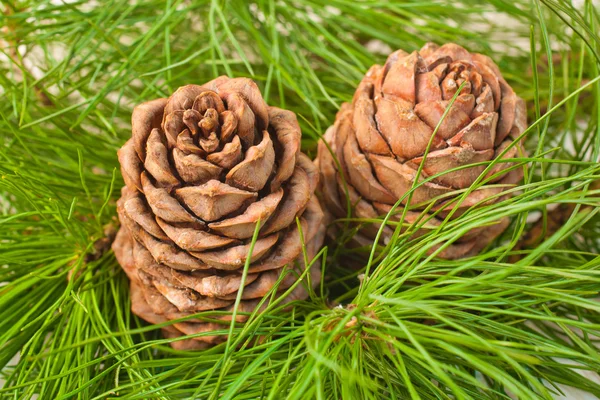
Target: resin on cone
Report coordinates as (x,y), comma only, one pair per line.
(202,168)
(381,139)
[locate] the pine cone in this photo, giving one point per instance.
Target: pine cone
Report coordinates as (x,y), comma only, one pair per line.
(380,140)
(201,170)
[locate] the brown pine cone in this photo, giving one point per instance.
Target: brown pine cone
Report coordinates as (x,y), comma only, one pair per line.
(380,140)
(202,168)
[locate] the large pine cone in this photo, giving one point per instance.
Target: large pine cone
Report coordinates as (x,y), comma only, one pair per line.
(380,140)
(201,170)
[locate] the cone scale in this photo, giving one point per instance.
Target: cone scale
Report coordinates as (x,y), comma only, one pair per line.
(202,169)
(381,139)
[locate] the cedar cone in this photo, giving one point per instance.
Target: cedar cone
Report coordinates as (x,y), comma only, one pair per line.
(381,139)
(202,168)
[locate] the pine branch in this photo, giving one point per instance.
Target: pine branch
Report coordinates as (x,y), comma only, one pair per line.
(518,318)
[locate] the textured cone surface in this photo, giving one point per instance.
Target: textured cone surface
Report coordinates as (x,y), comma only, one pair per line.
(381,138)
(202,169)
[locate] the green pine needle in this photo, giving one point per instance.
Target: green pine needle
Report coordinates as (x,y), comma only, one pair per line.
(512,321)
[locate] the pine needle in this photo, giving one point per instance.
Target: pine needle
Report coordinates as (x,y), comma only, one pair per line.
(519,319)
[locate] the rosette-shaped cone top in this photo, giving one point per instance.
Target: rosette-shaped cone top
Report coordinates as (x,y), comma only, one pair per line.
(381,139)
(202,169)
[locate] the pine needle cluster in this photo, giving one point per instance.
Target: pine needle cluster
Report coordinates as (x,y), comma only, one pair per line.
(520,319)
